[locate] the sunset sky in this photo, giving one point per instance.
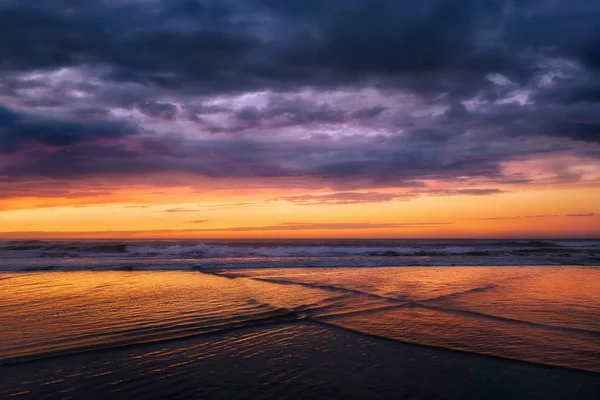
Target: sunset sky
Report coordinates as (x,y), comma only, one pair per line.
(299,118)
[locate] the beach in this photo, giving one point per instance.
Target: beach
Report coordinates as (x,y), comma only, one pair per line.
(383,332)
(301,199)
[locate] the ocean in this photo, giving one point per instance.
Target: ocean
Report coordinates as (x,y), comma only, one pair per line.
(300,319)
(192,254)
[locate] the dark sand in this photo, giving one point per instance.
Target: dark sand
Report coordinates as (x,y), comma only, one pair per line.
(303,360)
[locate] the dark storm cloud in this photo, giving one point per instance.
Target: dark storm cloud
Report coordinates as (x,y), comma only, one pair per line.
(216,159)
(440,52)
(430,45)
(280,112)
(388,163)
(369,112)
(158,110)
(341,164)
(579,122)
(300,112)
(18,130)
(93,113)
(262,43)
(250,114)
(286,110)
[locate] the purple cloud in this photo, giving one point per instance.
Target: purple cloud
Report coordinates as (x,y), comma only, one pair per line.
(374,94)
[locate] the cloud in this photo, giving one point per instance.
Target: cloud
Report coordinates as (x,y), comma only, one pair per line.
(178,210)
(158,110)
(52,191)
(516,217)
(200,221)
(212,207)
(91,113)
(289,226)
(18,130)
(261,43)
(355,96)
(464,192)
(534,216)
(369,112)
(341,198)
(96,234)
(297,226)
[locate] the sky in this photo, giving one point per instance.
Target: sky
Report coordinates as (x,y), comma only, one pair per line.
(299,118)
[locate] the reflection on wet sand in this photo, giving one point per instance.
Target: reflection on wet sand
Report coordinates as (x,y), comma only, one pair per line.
(543,315)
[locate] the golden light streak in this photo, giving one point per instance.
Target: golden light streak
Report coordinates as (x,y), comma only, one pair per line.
(184,212)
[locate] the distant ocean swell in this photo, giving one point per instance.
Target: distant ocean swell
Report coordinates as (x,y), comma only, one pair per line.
(169,254)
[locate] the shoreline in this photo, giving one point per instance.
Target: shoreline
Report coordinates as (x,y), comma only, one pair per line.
(400,370)
(484,320)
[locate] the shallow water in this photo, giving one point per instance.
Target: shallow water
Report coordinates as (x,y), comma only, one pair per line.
(50,321)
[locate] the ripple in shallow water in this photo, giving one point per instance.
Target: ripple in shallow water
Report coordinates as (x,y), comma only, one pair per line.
(545,315)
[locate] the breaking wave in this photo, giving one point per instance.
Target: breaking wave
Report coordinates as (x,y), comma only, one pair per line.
(185,254)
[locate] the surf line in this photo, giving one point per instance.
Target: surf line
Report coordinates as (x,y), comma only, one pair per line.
(426,303)
(330,288)
(450,349)
(476,314)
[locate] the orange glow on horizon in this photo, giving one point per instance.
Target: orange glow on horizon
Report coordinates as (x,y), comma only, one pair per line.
(140,212)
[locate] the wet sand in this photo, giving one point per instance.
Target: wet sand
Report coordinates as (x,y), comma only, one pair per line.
(302,333)
(297,361)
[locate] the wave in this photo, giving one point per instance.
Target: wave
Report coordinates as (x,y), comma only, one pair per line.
(288,316)
(188,254)
(331,288)
(213,250)
(476,314)
(480,289)
(210,250)
(332,322)
(586,243)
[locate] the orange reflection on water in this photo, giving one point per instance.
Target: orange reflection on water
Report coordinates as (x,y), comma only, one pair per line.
(408,283)
(54,311)
(547,315)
